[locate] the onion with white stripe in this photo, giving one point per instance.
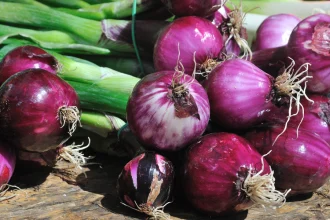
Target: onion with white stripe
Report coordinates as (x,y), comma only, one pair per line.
(168,110)
(145,184)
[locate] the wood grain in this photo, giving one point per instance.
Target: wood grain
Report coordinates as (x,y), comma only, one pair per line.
(65,193)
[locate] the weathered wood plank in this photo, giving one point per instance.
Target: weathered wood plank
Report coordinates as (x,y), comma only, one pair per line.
(63,193)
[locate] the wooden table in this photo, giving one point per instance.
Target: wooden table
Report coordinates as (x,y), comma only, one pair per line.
(65,193)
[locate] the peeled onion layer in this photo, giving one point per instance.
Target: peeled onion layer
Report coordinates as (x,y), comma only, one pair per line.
(32,103)
(224,174)
(188,40)
(168,110)
(309,43)
(300,161)
(275,31)
(145,184)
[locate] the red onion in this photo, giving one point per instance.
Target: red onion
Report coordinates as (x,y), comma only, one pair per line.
(37,110)
(241,94)
(168,110)
(309,43)
(26,57)
(145,184)
(301,162)
(7,163)
(185,40)
(223,174)
(192,7)
(275,31)
(230,24)
(316,116)
(271,60)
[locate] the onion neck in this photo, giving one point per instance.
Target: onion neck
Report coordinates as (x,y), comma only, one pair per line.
(233,28)
(184,104)
(321,39)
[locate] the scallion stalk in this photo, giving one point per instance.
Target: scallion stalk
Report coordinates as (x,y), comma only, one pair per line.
(94,15)
(111,34)
(110,94)
(102,124)
(121,9)
(54,40)
(66,3)
(30,2)
(98,88)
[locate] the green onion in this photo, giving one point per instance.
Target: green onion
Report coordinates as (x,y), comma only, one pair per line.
(123,64)
(110,94)
(102,124)
(30,2)
(66,3)
(112,34)
(54,40)
(98,88)
(121,9)
(94,15)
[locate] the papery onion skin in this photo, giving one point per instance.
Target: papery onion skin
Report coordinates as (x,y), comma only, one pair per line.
(275,31)
(30,101)
(158,121)
(300,163)
(305,46)
(192,7)
(26,57)
(7,162)
(316,116)
(146,179)
(188,35)
(214,170)
(239,94)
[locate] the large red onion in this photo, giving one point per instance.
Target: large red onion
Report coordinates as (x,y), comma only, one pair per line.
(7,162)
(37,110)
(241,94)
(192,7)
(168,110)
(26,57)
(309,43)
(301,162)
(316,117)
(275,31)
(187,40)
(217,175)
(145,184)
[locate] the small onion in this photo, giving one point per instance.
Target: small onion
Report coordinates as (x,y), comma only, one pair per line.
(145,184)
(192,7)
(26,57)
(38,110)
(275,31)
(168,110)
(310,43)
(185,40)
(224,174)
(300,161)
